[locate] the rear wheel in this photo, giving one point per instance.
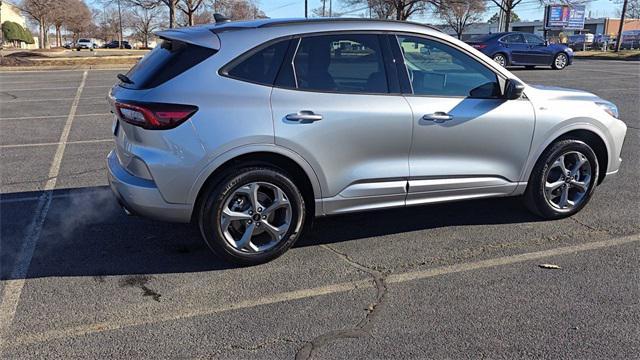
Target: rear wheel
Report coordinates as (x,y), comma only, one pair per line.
(560,61)
(563,180)
(501,59)
(252,216)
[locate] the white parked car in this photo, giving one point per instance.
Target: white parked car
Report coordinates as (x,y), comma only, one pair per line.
(86,44)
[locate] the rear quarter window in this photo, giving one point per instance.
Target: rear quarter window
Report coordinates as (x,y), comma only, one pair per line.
(260,65)
(166,61)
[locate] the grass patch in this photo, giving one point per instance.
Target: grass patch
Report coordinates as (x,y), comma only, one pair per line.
(609,55)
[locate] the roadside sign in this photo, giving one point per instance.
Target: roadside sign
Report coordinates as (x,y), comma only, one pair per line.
(576,18)
(565,17)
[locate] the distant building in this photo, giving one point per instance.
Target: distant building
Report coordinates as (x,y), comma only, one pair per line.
(600,26)
(10,12)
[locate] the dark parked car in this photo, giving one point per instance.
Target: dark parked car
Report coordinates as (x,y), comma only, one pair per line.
(523,49)
(115,44)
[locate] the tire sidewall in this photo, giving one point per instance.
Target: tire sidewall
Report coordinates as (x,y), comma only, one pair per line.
(506,61)
(213,205)
(556,58)
(538,177)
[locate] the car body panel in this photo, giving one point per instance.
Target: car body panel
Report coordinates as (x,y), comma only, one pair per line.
(368,151)
(361,138)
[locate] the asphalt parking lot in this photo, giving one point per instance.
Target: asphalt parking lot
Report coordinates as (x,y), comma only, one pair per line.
(82,280)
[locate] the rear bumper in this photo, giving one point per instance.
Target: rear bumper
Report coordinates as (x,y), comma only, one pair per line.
(141,196)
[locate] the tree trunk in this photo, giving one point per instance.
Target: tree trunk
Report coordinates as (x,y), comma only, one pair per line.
(399,11)
(41,34)
(507,20)
(172,13)
(190,16)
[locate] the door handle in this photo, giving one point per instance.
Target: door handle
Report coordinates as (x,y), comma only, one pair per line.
(304,115)
(438,117)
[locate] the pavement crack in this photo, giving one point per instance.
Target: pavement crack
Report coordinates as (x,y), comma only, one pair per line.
(363,327)
(584,224)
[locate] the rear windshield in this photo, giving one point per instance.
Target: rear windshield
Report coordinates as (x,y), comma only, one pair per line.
(166,61)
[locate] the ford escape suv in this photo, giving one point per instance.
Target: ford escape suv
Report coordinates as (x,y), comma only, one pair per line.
(250,129)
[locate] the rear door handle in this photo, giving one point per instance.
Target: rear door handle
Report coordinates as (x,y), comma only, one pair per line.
(304,116)
(438,117)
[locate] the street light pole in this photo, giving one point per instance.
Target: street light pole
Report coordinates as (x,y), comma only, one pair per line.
(306,9)
(120,20)
(621,28)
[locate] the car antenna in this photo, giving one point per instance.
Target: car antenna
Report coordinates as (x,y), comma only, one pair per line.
(124,79)
(220,19)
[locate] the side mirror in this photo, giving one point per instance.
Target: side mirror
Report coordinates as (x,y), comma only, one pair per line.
(513,89)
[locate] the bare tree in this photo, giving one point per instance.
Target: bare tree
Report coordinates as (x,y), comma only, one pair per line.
(60,14)
(170,4)
(238,9)
(189,8)
(144,22)
(633,9)
(39,11)
(398,9)
(459,15)
(507,6)
(108,27)
(79,20)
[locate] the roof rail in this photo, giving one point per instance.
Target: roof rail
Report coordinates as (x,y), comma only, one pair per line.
(283,22)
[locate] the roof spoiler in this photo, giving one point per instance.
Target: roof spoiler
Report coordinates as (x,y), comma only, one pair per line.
(196,35)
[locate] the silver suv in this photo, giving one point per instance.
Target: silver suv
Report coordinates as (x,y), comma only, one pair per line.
(250,129)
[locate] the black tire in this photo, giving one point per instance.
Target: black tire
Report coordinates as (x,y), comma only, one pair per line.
(555,61)
(496,58)
(534,195)
(216,196)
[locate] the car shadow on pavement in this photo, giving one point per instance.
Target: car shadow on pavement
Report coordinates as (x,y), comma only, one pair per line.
(87,234)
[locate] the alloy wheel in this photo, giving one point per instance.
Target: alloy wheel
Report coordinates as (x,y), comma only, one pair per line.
(561,61)
(567,181)
(255,217)
(500,59)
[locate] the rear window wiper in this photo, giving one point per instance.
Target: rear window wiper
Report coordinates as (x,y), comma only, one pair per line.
(124,79)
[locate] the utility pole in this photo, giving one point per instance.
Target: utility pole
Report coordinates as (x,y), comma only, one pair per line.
(621,28)
(330,8)
(306,9)
(120,21)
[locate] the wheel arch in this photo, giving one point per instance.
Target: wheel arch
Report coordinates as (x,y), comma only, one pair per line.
(303,175)
(591,137)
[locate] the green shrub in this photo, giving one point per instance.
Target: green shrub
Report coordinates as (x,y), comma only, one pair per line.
(12,31)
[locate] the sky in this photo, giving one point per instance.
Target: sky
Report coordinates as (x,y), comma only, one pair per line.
(527,10)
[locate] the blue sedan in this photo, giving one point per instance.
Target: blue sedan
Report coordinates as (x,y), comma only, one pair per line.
(523,49)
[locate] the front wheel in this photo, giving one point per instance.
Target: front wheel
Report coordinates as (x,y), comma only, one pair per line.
(252,216)
(560,61)
(563,180)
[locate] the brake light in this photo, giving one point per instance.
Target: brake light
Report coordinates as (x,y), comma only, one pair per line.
(154,116)
(479,46)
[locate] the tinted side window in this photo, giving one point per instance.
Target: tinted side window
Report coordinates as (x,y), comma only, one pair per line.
(533,40)
(341,63)
(261,66)
(513,39)
(440,70)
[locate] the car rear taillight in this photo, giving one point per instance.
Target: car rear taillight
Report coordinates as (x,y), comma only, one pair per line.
(479,46)
(154,116)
